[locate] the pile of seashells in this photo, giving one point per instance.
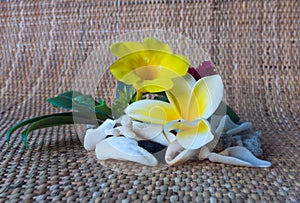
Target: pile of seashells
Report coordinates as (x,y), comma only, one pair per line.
(119,139)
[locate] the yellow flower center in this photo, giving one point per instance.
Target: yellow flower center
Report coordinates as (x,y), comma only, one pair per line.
(147,72)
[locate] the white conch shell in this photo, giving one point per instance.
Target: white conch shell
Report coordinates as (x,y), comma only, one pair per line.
(153,132)
(124,129)
(93,136)
(141,131)
(176,154)
(122,148)
(121,130)
(237,155)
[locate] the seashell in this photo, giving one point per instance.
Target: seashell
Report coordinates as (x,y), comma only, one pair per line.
(239,156)
(125,120)
(93,136)
(227,134)
(88,126)
(176,154)
(204,152)
(123,148)
(121,130)
(141,131)
(219,125)
(253,144)
(112,132)
(153,132)
(125,128)
(239,128)
(226,125)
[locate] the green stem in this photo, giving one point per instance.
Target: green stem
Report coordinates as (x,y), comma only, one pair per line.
(139,95)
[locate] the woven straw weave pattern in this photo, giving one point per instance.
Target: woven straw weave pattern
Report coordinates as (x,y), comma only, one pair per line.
(43,46)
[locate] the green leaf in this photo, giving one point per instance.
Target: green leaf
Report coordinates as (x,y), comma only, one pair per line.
(77,116)
(102,108)
(64,100)
(123,88)
(31,120)
(85,104)
(85,110)
(233,116)
(123,98)
(85,100)
(53,121)
(24,139)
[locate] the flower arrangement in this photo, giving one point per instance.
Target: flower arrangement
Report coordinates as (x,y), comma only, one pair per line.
(162,106)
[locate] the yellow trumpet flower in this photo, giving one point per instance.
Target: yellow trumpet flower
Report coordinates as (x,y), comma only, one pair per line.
(191,104)
(149,67)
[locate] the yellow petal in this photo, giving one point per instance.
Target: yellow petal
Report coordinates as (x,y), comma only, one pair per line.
(148,65)
(126,76)
(124,68)
(125,48)
(151,111)
(191,135)
(180,93)
(130,78)
(183,57)
(169,65)
(205,97)
(156,85)
(154,44)
(176,64)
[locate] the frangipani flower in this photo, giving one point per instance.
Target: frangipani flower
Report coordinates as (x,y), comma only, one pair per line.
(191,104)
(149,67)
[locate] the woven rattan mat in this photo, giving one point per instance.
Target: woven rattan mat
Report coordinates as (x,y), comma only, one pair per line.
(43,47)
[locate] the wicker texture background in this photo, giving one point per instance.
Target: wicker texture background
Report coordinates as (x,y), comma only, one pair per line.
(43,46)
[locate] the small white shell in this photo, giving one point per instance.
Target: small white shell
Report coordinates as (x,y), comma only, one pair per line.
(240,128)
(176,154)
(153,132)
(122,148)
(141,131)
(204,153)
(122,130)
(93,136)
(237,155)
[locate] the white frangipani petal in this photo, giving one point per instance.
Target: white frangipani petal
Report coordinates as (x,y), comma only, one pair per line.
(191,135)
(205,97)
(152,111)
(194,141)
(179,95)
